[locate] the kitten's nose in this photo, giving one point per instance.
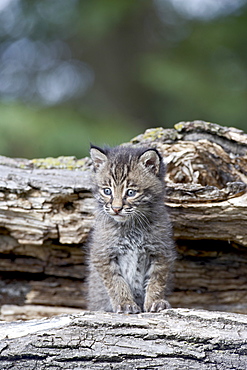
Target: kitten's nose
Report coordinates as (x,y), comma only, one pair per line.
(116,209)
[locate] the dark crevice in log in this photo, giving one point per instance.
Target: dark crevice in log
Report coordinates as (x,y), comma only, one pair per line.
(210,274)
(25,288)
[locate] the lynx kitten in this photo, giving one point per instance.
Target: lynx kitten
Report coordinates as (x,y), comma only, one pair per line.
(131,247)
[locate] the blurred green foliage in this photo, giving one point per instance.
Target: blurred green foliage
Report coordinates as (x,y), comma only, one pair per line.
(103,71)
(32,132)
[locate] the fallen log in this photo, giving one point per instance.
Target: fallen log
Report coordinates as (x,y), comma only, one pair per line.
(173,339)
(46,212)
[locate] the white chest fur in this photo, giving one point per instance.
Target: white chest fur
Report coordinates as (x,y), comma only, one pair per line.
(133,266)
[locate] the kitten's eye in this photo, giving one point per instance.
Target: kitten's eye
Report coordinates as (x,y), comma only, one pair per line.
(130,193)
(107,191)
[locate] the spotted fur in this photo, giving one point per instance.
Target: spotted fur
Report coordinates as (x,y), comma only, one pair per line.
(131,248)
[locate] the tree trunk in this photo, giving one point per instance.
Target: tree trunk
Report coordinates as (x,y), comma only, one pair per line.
(173,339)
(46,212)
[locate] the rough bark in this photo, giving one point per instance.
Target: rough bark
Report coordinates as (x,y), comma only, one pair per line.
(46,212)
(206,179)
(175,339)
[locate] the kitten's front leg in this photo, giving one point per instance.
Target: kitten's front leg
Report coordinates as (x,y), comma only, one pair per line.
(157,282)
(119,292)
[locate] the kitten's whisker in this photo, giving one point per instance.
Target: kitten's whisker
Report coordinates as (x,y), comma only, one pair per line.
(140,222)
(103,217)
(143,220)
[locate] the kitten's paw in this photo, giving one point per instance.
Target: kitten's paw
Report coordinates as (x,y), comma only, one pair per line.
(128,308)
(157,306)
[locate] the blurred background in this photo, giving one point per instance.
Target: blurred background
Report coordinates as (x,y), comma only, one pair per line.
(102,71)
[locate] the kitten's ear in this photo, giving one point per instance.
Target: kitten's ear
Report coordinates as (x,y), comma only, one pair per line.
(98,157)
(151,160)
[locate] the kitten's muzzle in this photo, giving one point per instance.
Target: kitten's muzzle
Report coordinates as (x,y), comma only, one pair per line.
(116,210)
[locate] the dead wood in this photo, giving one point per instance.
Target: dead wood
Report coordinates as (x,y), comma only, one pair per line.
(175,339)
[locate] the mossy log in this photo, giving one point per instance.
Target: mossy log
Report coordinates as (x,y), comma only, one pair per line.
(173,339)
(46,212)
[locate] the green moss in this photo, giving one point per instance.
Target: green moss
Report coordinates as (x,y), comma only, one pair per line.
(68,163)
(179,126)
(158,134)
(152,134)
(22,166)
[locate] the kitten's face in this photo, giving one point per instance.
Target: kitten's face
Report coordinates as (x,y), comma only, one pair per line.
(120,201)
(127,181)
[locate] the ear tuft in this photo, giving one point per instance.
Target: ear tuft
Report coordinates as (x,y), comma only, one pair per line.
(98,157)
(151,160)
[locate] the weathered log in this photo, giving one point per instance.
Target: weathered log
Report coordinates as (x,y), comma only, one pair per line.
(50,199)
(45,200)
(46,212)
(206,179)
(174,339)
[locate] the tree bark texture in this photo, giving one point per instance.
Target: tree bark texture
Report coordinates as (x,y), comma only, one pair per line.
(173,339)
(46,212)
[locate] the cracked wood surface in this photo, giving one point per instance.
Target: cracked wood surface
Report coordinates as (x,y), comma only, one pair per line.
(173,339)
